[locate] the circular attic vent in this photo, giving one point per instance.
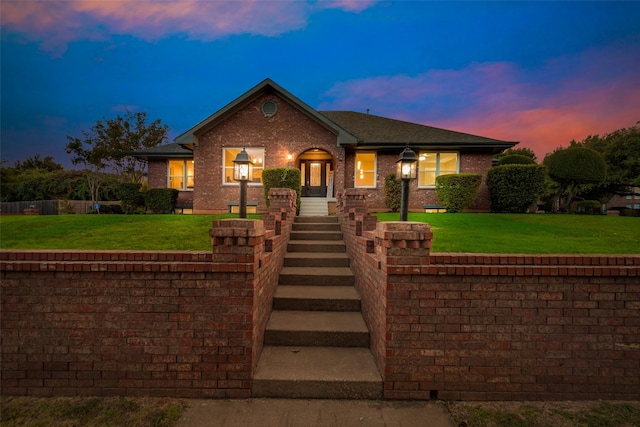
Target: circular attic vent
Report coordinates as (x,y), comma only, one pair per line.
(269,108)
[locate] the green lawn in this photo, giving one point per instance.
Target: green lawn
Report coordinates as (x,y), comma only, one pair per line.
(480,233)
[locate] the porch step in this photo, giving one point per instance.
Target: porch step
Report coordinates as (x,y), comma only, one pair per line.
(314,206)
(317,373)
(316,328)
(316,226)
(316,298)
(316,235)
(316,246)
(315,259)
(317,276)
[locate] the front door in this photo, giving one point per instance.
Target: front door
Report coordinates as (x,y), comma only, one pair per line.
(314,178)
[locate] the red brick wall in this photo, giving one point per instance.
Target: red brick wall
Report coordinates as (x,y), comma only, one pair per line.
(157,170)
(494,327)
(187,324)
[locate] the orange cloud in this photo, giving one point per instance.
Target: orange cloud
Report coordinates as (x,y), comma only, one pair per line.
(567,98)
(57,23)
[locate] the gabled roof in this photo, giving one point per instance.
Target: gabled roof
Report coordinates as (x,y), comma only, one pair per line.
(173,150)
(375,132)
(266,86)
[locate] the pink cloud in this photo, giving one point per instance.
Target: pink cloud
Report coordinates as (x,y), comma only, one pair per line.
(57,23)
(571,97)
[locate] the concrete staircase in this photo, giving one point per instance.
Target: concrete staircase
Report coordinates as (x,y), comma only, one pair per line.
(316,344)
(314,206)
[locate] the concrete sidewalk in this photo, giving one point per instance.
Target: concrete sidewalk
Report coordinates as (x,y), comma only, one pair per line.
(308,413)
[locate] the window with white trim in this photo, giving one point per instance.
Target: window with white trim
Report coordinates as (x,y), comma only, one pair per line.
(256,154)
(180,175)
(432,164)
(365,173)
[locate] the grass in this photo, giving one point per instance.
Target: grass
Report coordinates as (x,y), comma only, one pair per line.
(91,411)
(475,233)
(545,414)
(529,234)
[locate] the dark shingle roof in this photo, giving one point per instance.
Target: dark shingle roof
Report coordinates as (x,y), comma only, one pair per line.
(173,150)
(381,132)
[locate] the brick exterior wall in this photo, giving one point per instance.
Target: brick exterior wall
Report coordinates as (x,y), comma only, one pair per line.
(289,131)
(493,327)
(143,323)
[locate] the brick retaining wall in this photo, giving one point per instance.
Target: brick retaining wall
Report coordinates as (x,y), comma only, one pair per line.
(493,327)
(187,324)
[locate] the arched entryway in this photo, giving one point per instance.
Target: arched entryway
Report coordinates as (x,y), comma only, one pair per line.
(316,170)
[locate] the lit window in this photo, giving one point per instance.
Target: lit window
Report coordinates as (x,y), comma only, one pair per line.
(181,174)
(365,170)
(257,158)
(432,164)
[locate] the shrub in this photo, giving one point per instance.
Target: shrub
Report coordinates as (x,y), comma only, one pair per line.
(589,207)
(516,159)
(161,200)
(457,191)
(515,187)
(281,178)
(131,198)
(392,192)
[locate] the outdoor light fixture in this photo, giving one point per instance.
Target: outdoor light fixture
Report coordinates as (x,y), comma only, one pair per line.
(406,170)
(243,172)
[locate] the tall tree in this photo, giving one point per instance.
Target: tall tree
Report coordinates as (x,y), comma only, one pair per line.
(109,143)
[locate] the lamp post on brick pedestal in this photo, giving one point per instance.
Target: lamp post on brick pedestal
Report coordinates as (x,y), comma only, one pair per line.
(406,171)
(243,172)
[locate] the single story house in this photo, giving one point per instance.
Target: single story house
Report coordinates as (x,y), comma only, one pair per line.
(334,150)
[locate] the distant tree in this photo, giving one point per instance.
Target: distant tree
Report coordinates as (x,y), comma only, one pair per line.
(35,162)
(516,159)
(527,152)
(108,145)
(571,167)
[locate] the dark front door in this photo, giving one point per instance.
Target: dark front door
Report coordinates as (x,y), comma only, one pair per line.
(314,178)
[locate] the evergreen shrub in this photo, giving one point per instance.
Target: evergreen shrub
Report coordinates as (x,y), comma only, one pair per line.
(161,200)
(281,178)
(392,192)
(515,187)
(457,191)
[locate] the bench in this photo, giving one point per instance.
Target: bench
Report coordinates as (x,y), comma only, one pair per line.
(234,207)
(182,208)
(431,208)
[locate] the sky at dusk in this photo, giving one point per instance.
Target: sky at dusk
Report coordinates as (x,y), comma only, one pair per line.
(542,73)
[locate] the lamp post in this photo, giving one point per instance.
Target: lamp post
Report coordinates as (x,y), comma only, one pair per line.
(243,172)
(406,171)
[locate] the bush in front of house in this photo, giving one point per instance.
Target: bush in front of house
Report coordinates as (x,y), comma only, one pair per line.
(515,187)
(589,207)
(131,198)
(516,159)
(281,178)
(161,200)
(457,191)
(392,192)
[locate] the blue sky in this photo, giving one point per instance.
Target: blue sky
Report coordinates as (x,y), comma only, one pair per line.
(542,73)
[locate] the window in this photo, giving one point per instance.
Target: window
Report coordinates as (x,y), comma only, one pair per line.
(257,158)
(432,164)
(365,170)
(181,174)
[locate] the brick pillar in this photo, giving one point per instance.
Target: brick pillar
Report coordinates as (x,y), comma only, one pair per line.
(402,252)
(282,208)
(238,249)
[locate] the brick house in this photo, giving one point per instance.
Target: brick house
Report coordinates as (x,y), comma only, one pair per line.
(334,150)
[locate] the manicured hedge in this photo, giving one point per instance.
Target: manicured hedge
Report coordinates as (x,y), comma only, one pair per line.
(457,191)
(516,159)
(392,192)
(131,198)
(515,187)
(161,200)
(281,178)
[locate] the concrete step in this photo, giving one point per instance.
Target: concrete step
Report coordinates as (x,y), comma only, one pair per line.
(317,373)
(317,276)
(314,206)
(316,246)
(316,226)
(317,298)
(316,259)
(316,219)
(316,235)
(316,328)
